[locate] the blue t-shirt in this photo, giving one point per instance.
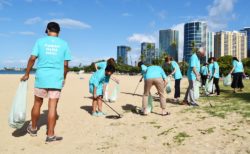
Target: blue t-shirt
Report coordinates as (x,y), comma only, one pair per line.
(193,62)
(51,52)
(99,78)
(155,72)
(143,71)
(101,65)
(217,70)
(204,70)
(211,69)
(177,74)
(238,67)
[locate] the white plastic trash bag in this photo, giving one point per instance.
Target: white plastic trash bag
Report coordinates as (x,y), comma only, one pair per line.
(209,86)
(227,80)
(114,94)
(197,90)
(17,114)
(150,103)
(168,87)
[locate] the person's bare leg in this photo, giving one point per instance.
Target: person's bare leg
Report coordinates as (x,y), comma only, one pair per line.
(99,102)
(94,105)
(35,112)
(52,116)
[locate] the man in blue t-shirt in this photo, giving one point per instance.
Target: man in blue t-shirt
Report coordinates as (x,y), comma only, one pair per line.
(193,75)
(52,55)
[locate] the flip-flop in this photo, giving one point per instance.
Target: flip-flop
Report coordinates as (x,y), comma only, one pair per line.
(166,114)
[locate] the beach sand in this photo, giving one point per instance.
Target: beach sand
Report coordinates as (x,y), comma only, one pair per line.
(181,132)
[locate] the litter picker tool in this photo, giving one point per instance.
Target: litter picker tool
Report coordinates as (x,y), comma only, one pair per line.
(118,114)
(136,88)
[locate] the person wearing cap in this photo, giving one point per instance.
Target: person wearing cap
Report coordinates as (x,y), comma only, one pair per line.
(52,55)
(193,75)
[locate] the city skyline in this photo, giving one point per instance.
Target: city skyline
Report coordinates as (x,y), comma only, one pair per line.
(95,28)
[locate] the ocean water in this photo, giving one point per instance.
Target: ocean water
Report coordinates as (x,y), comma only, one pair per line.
(13,72)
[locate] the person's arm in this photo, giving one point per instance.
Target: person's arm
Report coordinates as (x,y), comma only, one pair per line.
(232,70)
(173,72)
(30,65)
(141,79)
(94,93)
(96,67)
(196,73)
(114,79)
(66,69)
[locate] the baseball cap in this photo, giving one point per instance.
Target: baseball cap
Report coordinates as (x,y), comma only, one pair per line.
(53,27)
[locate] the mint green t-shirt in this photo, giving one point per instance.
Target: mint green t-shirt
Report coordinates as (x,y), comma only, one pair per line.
(217,70)
(143,71)
(155,72)
(238,67)
(204,70)
(193,62)
(51,52)
(99,78)
(177,75)
(101,65)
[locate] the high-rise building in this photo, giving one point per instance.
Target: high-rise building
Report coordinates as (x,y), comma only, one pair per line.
(148,52)
(230,43)
(247,31)
(122,53)
(195,33)
(169,42)
(210,45)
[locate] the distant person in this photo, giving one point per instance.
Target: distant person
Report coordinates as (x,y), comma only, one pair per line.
(53,55)
(97,87)
(216,76)
(155,76)
(103,65)
(176,73)
(237,72)
(193,75)
(204,74)
(211,72)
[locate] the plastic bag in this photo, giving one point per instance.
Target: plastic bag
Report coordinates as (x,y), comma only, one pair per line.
(168,87)
(114,94)
(227,80)
(197,90)
(150,103)
(17,114)
(209,86)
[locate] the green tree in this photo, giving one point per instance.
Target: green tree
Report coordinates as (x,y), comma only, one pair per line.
(120,60)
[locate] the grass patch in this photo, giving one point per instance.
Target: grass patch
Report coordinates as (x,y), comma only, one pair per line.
(144,137)
(226,103)
(179,138)
(207,131)
(157,126)
(166,144)
(165,132)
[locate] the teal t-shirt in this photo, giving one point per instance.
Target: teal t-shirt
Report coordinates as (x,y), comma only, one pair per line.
(143,71)
(238,67)
(155,72)
(177,74)
(101,65)
(99,78)
(211,69)
(217,70)
(204,70)
(51,52)
(193,62)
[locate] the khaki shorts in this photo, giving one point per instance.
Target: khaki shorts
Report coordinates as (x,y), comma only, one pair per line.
(47,93)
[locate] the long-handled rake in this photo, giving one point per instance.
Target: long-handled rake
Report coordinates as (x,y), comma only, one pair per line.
(113,117)
(136,88)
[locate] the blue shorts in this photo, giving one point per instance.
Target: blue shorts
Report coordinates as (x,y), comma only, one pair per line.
(99,90)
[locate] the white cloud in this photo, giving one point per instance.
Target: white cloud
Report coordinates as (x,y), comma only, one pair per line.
(12,62)
(220,13)
(71,23)
(139,38)
(162,14)
(4,3)
(152,24)
(26,33)
(180,28)
(33,21)
(126,14)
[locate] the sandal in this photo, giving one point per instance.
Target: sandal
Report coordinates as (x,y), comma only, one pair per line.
(166,114)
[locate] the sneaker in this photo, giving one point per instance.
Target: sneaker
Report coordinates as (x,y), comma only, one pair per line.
(95,114)
(52,139)
(31,131)
(194,105)
(100,114)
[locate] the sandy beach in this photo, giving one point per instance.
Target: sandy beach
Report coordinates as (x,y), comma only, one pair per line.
(184,131)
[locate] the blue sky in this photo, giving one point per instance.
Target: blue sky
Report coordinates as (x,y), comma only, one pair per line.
(93,28)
